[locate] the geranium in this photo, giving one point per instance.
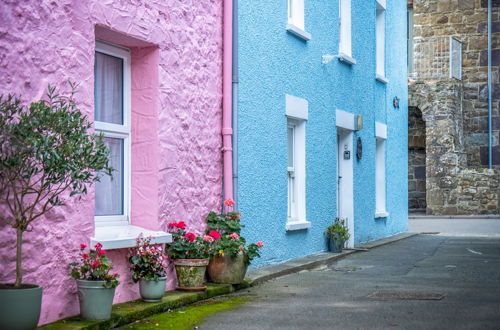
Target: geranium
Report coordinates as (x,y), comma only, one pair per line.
(230,242)
(190,237)
(94,266)
(215,234)
(147,260)
(208,238)
(187,245)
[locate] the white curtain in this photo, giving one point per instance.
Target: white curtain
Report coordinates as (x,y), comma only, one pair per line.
(108,91)
(109,191)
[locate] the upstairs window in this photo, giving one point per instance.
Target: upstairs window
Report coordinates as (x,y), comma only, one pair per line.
(296,13)
(345,28)
(112,118)
(380,38)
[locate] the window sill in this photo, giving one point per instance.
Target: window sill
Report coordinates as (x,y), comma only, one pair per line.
(118,237)
(344,58)
(381,214)
(298,32)
(382,79)
(297,225)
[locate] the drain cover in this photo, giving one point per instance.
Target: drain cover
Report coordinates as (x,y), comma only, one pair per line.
(398,295)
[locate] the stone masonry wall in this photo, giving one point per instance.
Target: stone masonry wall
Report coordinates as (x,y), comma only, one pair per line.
(416,160)
(467,21)
(451,188)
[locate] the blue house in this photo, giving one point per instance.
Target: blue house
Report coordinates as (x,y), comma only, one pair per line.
(320,122)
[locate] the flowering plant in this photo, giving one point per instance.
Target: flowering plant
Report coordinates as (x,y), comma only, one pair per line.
(147,260)
(94,266)
(225,228)
(187,245)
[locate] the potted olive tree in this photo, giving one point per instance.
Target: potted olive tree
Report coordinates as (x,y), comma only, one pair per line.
(337,234)
(230,255)
(46,155)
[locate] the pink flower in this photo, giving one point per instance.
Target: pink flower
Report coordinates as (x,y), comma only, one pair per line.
(260,244)
(215,234)
(190,237)
(101,252)
(209,239)
(83,246)
(229,202)
(234,236)
(98,246)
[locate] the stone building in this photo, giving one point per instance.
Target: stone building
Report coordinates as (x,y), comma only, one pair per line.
(448,107)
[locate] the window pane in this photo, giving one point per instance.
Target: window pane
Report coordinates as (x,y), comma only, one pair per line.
(108,88)
(290,147)
(109,191)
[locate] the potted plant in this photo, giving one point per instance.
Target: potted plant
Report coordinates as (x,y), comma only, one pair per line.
(148,269)
(190,253)
(96,285)
(337,234)
(46,155)
(230,256)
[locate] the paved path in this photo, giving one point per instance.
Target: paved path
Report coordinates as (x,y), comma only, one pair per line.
(385,288)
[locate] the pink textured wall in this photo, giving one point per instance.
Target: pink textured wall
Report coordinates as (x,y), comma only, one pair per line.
(176,99)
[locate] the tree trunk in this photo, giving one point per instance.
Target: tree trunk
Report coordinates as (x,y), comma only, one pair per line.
(19,256)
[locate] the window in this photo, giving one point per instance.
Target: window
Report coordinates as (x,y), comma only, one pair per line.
(409,33)
(296,13)
(455,58)
(112,118)
(345,28)
(380,181)
(380,39)
(296,112)
(296,19)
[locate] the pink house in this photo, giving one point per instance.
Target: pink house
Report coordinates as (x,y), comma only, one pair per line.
(150,76)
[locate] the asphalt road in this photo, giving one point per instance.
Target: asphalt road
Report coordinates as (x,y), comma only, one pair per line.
(424,282)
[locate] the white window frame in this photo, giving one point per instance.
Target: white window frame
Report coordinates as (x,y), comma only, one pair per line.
(345,30)
(380,40)
(297,115)
(295,22)
(119,131)
(380,171)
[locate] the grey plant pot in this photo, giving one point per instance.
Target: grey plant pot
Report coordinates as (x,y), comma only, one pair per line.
(151,290)
(96,301)
(335,244)
(20,308)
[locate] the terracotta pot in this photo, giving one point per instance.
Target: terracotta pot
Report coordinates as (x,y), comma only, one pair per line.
(227,270)
(191,274)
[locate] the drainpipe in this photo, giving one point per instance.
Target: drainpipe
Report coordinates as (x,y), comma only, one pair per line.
(227,131)
(235,102)
(490,142)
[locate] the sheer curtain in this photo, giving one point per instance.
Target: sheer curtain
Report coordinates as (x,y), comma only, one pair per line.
(108,90)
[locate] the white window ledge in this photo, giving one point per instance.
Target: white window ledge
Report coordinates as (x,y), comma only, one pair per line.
(383,214)
(118,237)
(297,225)
(298,32)
(346,59)
(382,79)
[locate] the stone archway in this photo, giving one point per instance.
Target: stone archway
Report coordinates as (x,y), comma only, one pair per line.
(416,161)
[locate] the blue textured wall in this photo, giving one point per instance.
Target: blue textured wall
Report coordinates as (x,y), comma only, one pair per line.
(272,63)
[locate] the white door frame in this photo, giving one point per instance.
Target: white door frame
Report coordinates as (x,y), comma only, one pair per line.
(345,171)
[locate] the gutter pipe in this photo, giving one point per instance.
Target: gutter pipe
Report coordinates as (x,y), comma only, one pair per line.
(490,135)
(235,102)
(227,131)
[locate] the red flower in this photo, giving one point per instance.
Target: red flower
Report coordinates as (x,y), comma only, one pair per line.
(181,225)
(190,237)
(172,225)
(260,244)
(215,234)
(83,246)
(98,246)
(95,263)
(85,256)
(229,202)
(101,252)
